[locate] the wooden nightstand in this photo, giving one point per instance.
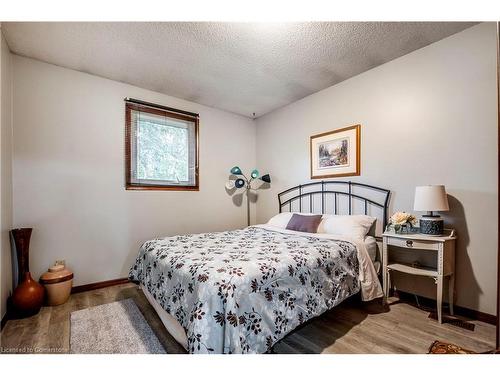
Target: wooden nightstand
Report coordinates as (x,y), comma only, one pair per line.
(443,248)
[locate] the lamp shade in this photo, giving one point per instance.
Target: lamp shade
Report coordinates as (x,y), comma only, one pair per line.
(266,178)
(255,173)
(236,170)
(430,198)
(239,183)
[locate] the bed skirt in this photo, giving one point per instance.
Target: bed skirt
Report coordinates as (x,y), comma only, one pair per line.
(171,324)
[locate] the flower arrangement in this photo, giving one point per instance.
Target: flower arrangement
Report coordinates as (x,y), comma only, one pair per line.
(400,220)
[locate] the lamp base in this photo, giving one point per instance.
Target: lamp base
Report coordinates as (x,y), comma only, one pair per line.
(431,225)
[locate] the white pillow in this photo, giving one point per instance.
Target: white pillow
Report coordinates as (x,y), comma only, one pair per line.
(281,220)
(356,226)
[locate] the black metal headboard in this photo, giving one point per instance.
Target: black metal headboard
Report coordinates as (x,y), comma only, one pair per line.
(346,198)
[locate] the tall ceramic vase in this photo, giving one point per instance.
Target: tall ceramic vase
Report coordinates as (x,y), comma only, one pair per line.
(27,298)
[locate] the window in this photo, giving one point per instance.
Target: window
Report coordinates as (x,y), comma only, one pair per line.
(161,147)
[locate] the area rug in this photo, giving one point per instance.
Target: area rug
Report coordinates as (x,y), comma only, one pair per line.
(439,347)
(117,327)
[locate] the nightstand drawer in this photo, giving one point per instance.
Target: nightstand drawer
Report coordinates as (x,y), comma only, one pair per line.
(412,244)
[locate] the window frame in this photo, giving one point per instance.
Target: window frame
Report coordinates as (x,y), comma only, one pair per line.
(161,111)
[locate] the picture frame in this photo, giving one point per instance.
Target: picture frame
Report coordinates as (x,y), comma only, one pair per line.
(336,153)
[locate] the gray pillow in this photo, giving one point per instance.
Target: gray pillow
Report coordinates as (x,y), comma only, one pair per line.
(304,223)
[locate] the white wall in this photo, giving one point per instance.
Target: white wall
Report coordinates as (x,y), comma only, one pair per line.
(429,117)
(5,173)
(69,172)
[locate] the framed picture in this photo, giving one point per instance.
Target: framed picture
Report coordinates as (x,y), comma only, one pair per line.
(336,153)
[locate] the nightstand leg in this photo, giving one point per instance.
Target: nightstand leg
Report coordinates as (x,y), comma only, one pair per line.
(451,292)
(440,298)
(387,278)
(388,283)
(384,285)
(384,270)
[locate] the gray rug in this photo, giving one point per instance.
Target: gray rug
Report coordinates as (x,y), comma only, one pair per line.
(117,327)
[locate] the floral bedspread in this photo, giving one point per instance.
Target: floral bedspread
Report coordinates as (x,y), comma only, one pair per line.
(241,291)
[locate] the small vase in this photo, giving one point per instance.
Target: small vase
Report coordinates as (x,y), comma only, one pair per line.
(27,298)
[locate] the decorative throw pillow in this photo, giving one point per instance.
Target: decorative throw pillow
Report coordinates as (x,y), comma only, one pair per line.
(281,220)
(304,223)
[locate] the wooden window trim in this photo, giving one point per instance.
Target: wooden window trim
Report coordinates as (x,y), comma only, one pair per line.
(129,185)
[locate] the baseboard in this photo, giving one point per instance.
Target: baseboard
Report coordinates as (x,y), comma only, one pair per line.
(459,310)
(98,285)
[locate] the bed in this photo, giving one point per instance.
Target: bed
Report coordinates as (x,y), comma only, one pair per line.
(241,291)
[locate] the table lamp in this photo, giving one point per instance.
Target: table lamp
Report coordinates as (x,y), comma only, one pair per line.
(431,198)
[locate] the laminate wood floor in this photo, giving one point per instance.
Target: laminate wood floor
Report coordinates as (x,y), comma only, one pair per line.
(352,327)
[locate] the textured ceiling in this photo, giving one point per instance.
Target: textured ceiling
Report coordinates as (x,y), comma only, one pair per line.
(239,67)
